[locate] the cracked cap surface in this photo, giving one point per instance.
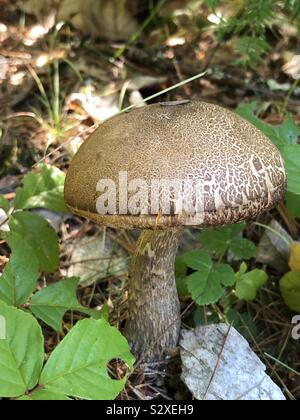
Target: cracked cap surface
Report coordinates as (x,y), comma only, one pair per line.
(241,173)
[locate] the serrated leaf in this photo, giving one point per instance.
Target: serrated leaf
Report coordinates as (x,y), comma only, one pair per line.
(4,204)
(21,352)
(215,241)
(290,290)
(20,275)
(42,189)
(225,274)
(294,261)
(197,259)
(203,290)
(51,303)
(220,240)
(242,248)
(78,365)
(42,238)
(44,395)
(248,284)
(207,285)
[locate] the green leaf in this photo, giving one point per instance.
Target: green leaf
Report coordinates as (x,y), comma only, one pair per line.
(290,290)
(293,204)
(247,111)
(248,284)
(212,4)
(225,274)
(42,238)
(4,204)
(43,189)
(243,248)
(285,138)
(204,289)
(44,395)
(203,317)
(51,303)
(196,259)
(288,131)
(215,240)
(291,156)
(180,275)
(78,366)
(253,48)
(20,275)
(21,352)
(220,240)
(242,322)
(206,285)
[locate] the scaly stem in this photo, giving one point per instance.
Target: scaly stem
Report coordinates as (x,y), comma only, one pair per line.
(154,310)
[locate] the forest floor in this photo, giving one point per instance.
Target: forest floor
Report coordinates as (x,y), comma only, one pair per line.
(56,86)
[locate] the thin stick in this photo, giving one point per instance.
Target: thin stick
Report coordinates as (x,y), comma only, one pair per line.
(274,232)
(282,364)
(218,363)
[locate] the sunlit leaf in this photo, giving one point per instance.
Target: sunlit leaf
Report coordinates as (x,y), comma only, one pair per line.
(78,365)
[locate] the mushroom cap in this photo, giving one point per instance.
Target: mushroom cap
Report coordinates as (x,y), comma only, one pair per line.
(228,169)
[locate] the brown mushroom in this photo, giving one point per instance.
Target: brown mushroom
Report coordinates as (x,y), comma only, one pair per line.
(162,168)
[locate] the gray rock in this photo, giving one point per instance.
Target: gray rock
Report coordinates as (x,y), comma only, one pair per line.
(218,364)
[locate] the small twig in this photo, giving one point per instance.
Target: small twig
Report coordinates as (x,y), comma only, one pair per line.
(278,362)
(218,363)
(250,390)
(275,232)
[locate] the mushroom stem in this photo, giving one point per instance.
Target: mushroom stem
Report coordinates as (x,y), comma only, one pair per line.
(154,310)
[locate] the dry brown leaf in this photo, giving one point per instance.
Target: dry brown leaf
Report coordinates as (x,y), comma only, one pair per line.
(111,19)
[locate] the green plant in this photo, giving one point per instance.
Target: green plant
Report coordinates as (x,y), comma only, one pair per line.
(80,360)
(52,99)
(205,276)
(290,282)
(285,137)
(249,22)
(82,357)
(211,276)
